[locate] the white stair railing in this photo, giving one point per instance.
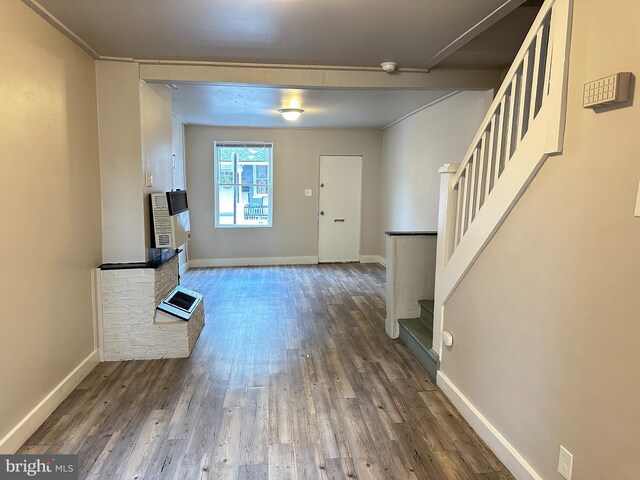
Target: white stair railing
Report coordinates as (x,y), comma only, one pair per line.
(524,125)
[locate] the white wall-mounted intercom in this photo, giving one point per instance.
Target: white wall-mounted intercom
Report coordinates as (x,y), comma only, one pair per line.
(607,91)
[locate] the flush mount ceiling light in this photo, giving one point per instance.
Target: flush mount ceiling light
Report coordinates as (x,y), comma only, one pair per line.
(291,114)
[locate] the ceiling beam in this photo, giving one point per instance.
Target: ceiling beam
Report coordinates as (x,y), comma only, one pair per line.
(308,76)
(317,77)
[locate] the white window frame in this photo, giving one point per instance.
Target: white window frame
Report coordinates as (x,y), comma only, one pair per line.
(216,185)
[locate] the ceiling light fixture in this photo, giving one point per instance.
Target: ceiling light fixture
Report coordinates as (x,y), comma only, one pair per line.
(291,114)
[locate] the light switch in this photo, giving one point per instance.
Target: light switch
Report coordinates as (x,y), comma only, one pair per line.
(148,179)
(308,192)
(637,213)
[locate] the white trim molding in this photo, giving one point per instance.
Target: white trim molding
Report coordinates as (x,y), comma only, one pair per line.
(13,440)
(424,107)
(498,444)
(487,22)
(254,261)
(373,259)
(96,300)
(184,267)
(61,27)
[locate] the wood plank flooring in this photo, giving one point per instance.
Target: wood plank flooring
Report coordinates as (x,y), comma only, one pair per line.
(293,377)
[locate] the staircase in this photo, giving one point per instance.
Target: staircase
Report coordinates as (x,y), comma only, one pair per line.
(417,335)
(523,127)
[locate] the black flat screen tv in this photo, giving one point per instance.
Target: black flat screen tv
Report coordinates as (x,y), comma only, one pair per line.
(177,202)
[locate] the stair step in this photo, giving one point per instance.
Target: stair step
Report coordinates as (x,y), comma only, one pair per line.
(418,339)
(426,313)
(422,334)
(426,322)
(426,305)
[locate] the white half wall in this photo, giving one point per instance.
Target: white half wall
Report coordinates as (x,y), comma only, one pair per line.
(411,273)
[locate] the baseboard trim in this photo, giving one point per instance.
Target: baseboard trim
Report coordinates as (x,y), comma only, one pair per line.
(506,452)
(372,259)
(244,262)
(36,417)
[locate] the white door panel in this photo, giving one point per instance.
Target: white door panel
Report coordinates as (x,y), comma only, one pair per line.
(339,208)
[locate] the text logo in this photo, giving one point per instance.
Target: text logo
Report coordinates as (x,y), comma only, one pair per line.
(49,467)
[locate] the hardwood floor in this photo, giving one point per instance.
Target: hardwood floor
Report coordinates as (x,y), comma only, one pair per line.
(293,377)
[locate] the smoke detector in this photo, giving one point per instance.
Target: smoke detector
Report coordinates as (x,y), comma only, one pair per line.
(389,67)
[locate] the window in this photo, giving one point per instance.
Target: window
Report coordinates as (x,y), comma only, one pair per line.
(243,174)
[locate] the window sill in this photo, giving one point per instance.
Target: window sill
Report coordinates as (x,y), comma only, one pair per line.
(243,226)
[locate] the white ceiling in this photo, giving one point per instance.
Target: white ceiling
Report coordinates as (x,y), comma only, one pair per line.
(303,32)
(354,33)
(252,106)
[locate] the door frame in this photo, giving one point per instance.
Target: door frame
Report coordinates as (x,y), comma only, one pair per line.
(318,188)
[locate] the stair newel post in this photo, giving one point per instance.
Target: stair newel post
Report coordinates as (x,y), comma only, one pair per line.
(447,209)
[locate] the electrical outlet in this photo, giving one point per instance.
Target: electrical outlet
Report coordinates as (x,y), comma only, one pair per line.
(308,192)
(565,463)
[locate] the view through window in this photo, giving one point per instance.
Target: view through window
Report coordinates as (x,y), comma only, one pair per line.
(243,192)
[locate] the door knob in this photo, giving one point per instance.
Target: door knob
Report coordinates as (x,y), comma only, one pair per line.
(321,212)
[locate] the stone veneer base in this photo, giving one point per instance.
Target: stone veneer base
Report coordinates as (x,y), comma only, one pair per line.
(129,300)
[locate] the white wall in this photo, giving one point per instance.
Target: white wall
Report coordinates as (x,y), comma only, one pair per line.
(296,167)
(51,221)
(179,174)
(413,151)
(156,131)
(123,234)
(135,138)
(177,150)
(546,323)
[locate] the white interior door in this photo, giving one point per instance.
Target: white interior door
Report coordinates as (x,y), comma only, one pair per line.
(339,208)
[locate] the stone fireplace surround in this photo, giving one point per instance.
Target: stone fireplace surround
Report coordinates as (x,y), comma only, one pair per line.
(130,294)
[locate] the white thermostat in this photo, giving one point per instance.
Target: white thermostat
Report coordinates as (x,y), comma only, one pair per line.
(607,91)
